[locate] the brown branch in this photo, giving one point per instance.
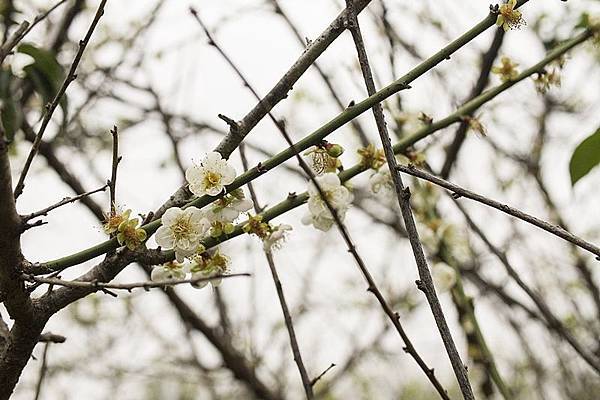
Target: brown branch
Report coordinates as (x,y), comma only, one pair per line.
(49,337)
(27,327)
(71,76)
(146,285)
(487,61)
(289,324)
(332,91)
(553,322)
(403,195)
(61,203)
(43,370)
(116,159)
(23,30)
(317,378)
(285,84)
(460,192)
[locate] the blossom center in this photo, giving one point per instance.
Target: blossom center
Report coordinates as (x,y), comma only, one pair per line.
(212,179)
(183,228)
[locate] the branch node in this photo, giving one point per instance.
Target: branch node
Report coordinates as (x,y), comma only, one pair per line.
(233,125)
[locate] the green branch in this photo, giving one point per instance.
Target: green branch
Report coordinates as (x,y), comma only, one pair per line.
(344,117)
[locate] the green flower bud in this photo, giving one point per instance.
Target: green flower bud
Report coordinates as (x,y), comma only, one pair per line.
(335,150)
(216,231)
(228,228)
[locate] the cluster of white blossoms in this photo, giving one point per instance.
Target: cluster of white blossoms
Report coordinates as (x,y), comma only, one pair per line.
(272,236)
(225,210)
(336,194)
(184,229)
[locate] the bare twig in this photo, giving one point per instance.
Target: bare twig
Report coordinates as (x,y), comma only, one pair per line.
(71,76)
(317,378)
(403,195)
(287,317)
(64,201)
(116,159)
(43,369)
(23,30)
(124,286)
(460,192)
(554,323)
(46,149)
(49,337)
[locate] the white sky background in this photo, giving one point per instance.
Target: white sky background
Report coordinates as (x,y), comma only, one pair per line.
(194,80)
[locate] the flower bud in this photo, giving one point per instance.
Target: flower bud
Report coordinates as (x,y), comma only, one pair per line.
(216,231)
(335,150)
(228,228)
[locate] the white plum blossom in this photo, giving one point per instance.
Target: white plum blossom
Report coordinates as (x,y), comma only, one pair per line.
(444,277)
(224,211)
(276,237)
(338,196)
(208,264)
(182,231)
(168,271)
(228,208)
(211,176)
(381,182)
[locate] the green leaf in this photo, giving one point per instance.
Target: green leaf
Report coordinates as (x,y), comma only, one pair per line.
(45,62)
(10,115)
(45,73)
(585,157)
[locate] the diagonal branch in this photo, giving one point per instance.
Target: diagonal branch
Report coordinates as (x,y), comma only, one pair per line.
(23,30)
(403,195)
(487,61)
(71,76)
(287,317)
(326,129)
(372,287)
(553,322)
(61,203)
(326,79)
(460,192)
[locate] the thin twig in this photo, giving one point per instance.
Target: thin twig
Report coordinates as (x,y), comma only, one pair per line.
(71,76)
(487,61)
(554,322)
(460,192)
(116,159)
(23,30)
(46,149)
(61,203)
(403,195)
(146,285)
(287,317)
(334,95)
(43,370)
(317,378)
